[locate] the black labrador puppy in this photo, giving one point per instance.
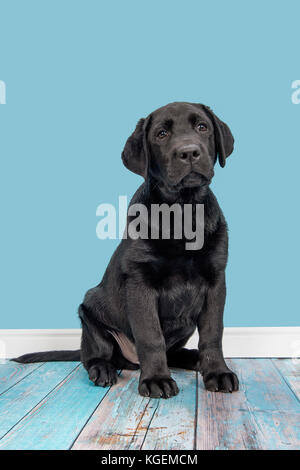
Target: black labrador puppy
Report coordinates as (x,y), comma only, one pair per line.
(155,292)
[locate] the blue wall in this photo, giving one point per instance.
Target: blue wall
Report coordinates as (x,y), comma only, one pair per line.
(78,76)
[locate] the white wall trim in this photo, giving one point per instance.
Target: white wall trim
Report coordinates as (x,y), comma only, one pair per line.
(237,342)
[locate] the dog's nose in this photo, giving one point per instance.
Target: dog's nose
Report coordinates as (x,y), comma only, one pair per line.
(188,153)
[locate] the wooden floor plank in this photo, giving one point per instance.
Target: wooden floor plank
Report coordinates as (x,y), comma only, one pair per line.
(173,424)
(57,420)
(264,414)
(271,404)
(290,370)
(264,387)
(223,420)
(26,394)
(12,372)
(121,420)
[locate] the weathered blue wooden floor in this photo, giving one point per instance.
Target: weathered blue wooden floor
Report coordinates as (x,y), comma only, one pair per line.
(54,406)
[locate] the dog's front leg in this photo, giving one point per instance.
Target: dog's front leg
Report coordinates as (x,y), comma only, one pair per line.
(216,375)
(155,379)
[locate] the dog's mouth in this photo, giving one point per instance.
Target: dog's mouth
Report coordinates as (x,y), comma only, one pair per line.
(194,179)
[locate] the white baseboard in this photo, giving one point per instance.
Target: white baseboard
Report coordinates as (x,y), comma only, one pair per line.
(237,342)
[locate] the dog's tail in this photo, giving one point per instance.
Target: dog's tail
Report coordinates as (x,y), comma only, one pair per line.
(48,356)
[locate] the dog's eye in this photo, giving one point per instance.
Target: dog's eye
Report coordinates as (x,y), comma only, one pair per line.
(162,134)
(202,127)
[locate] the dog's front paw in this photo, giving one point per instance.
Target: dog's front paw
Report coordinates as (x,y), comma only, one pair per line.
(103,374)
(221,381)
(158,387)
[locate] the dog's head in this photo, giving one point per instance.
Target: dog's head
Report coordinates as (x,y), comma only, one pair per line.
(178,145)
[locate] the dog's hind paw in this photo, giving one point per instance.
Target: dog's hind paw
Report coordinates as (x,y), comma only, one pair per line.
(103,374)
(158,387)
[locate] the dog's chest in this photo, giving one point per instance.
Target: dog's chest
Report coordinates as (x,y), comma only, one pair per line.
(181,283)
(180,275)
(181,296)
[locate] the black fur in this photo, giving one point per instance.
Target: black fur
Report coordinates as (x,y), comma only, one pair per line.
(48,356)
(156,291)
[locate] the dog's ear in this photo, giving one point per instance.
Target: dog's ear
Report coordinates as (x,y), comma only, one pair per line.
(223,137)
(135,155)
